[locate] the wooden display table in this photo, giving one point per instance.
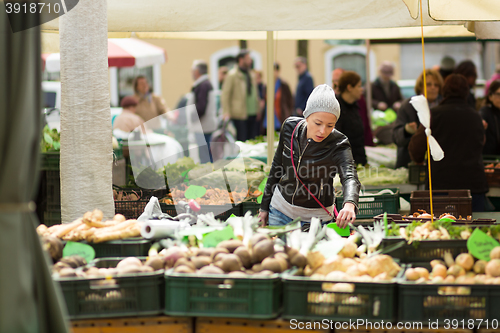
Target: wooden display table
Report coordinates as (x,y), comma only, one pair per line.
(225,325)
(160,324)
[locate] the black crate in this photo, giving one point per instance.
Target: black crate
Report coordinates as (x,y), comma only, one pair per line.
(52,218)
(134,209)
(417,174)
(398,219)
(424,302)
(455,202)
(252,206)
(50,161)
(132,295)
(132,247)
(425,250)
(308,299)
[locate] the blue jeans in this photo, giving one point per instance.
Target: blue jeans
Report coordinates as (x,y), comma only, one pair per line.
(277,218)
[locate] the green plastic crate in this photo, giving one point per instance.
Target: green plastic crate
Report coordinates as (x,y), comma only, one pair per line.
(133,247)
(425,250)
(307,299)
(251,206)
(222,212)
(372,205)
(424,302)
(128,295)
(222,296)
(50,160)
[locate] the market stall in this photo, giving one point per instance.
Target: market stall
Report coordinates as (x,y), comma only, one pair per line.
(314,282)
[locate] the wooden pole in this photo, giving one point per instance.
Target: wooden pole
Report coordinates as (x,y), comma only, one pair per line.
(270,97)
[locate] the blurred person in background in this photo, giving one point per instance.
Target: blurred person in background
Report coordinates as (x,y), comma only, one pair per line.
(385,92)
(407,121)
(149,105)
(469,71)
(459,130)
(204,100)
(304,87)
(336,74)
(239,100)
(447,66)
(490,113)
(495,76)
(262,92)
(363,110)
(283,100)
(127,121)
(350,122)
(222,75)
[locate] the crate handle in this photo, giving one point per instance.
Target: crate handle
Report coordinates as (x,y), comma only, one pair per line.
(347,288)
(104,284)
(454,291)
(220,284)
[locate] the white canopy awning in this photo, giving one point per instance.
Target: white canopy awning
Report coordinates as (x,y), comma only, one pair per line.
(256,15)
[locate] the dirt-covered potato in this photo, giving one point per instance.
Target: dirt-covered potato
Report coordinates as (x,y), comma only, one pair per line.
(211,269)
(245,257)
(200,262)
(230,245)
(262,250)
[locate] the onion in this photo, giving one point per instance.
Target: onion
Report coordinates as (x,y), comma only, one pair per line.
(465,260)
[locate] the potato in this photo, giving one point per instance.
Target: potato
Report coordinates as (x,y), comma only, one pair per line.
(207,251)
(437,262)
(129,269)
(211,269)
(291,251)
(216,251)
(244,255)
(298,260)
(272,264)
(155,262)
(237,274)
(200,262)
(230,245)
(262,250)
(282,255)
(257,268)
(265,272)
(185,262)
(184,269)
(60,265)
(283,263)
(130,261)
(147,269)
(349,249)
(231,262)
(257,238)
(67,272)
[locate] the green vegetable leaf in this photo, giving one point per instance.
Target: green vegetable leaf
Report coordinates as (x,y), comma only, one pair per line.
(195,192)
(57,145)
(259,198)
(48,138)
(262,185)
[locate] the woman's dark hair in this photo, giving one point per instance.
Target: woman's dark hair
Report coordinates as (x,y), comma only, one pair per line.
(348,78)
(455,86)
(466,68)
(494,86)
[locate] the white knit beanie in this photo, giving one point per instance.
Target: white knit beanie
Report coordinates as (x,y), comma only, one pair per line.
(322,99)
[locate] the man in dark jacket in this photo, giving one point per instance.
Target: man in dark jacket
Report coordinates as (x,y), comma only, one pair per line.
(304,87)
(385,92)
(205,109)
(459,130)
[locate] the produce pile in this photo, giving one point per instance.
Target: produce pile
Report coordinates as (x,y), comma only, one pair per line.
(126,266)
(375,176)
(51,140)
(461,270)
(93,229)
(212,196)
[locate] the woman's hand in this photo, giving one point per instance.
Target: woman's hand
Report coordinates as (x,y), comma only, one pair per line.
(346,215)
(263,216)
